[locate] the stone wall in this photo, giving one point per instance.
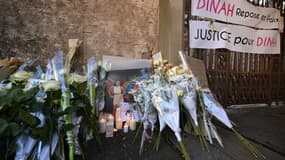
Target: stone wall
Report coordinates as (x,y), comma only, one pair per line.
(38,28)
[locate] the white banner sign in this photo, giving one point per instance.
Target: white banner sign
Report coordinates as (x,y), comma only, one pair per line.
(238,12)
(204,34)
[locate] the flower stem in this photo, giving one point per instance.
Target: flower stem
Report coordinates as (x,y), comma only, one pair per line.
(249,146)
(91,87)
(157,142)
(138,131)
(67,118)
(184,151)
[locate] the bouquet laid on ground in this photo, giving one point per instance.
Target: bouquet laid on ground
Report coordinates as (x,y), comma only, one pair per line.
(168,90)
(41,111)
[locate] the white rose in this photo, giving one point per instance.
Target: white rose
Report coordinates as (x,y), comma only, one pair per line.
(21,76)
(76,78)
(51,85)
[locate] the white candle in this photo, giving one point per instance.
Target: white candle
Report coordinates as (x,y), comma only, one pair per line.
(118,113)
(110,118)
(119,123)
(126,128)
(128,120)
(110,126)
(102,125)
(133,124)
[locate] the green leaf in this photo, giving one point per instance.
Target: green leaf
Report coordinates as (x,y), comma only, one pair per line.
(6,98)
(15,94)
(81,112)
(79,88)
(78,103)
(3,126)
(36,107)
(41,132)
(30,94)
(67,111)
(28,118)
(25,96)
(71,109)
(66,127)
(53,95)
(15,129)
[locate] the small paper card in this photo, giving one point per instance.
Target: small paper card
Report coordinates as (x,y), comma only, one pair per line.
(125,107)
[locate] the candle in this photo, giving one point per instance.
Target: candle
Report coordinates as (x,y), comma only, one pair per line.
(118,113)
(128,120)
(133,124)
(110,126)
(119,123)
(110,118)
(126,128)
(102,125)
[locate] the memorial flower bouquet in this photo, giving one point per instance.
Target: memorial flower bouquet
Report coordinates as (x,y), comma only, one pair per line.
(34,116)
(162,96)
(43,109)
(15,118)
(170,86)
(61,73)
(207,108)
(149,114)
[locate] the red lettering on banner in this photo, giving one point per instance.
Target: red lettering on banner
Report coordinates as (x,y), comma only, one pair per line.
(223,8)
(215,6)
(199,5)
(231,9)
(266,42)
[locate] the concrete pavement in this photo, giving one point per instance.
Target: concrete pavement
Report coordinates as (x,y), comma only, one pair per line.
(263,126)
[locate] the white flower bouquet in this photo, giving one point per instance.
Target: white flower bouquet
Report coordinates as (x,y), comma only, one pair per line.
(164,88)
